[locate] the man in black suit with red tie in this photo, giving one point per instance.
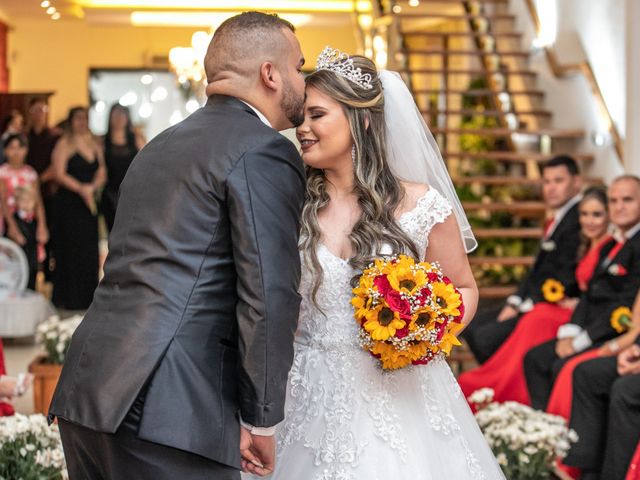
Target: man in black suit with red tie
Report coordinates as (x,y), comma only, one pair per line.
(561,184)
(606,415)
(615,283)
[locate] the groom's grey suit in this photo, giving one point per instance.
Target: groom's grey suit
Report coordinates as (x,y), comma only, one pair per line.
(193,323)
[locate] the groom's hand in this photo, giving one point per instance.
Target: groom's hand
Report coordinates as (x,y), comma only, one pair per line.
(257,452)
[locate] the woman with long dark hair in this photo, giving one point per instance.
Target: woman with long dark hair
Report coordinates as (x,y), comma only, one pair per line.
(79,170)
(121,144)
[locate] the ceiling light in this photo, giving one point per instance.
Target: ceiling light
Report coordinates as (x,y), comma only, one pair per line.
(56,16)
(145,110)
(146,79)
(159,94)
(344,6)
(51,10)
(45,4)
(199,19)
(414,3)
(397,9)
(128,99)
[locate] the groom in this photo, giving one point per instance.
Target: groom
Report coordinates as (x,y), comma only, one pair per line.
(191,330)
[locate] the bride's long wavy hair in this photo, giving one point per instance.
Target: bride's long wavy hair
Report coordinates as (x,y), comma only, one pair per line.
(379,192)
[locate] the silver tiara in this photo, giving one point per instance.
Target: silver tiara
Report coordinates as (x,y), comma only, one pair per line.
(339,63)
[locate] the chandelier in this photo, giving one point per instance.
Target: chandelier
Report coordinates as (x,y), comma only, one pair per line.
(188,62)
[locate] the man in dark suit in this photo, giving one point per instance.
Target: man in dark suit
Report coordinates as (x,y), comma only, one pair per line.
(190,332)
(561,184)
(605,414)
(615,283)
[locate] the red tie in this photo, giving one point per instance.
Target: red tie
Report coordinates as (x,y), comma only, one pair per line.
(614,251)
(548,225)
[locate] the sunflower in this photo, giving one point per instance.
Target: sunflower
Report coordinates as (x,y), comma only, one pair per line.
(382,322)
(405,278)
(393,359)
(446,297)
(450,339)
(552,290)
(424,317)
(621,319)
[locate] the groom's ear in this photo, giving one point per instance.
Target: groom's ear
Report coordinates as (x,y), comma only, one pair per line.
(270,76)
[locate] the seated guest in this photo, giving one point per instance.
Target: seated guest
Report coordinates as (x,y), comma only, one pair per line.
(562,393)
(614,284)
(561,185)
(503,371)
(606,415)
(11,387)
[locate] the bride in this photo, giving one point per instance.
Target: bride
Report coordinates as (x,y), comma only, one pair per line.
(363,141)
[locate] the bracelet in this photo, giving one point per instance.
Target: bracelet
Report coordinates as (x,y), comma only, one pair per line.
(613,345)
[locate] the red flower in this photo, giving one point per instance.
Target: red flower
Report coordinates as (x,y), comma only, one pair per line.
(382,284)
(422,361)
(398,304)
(403,332)
(423,295)
(458,319)
(446,280)
(433,277)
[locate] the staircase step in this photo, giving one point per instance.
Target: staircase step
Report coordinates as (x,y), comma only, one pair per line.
(466,71)
(409,14)
(504,261)
(452,33)
(497,292)
(450,2)
(516,207)
(478,93)
(473,53)
(497,180)
(507,232)
(514,156)
(487,113)
(502,132)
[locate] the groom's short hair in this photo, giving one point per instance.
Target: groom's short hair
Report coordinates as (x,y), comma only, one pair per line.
(243,41)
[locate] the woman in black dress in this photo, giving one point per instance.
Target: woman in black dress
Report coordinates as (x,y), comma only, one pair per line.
(121,144)
(78,166)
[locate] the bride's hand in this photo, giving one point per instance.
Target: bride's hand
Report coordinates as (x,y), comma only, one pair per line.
(258,453)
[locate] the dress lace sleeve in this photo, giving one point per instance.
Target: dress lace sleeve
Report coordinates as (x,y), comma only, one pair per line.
(432,208)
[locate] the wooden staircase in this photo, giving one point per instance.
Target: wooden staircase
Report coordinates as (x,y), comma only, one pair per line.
(468,70)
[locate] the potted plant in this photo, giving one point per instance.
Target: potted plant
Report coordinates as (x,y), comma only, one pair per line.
(30,449)
(54,335)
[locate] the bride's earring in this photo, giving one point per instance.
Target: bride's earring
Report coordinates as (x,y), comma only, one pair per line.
(353,153)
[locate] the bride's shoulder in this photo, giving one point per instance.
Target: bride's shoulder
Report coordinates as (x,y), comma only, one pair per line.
(413,193)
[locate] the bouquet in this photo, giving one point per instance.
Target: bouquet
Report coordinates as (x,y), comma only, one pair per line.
(55,335)
(621,319)
(552,290)
(526,442)
(30,449)
(408,312)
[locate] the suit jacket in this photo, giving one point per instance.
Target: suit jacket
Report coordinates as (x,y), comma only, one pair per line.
(615,283)
(199,302)
(556,259)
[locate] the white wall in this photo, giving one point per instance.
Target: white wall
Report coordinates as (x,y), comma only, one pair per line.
(632,146)
(593,30)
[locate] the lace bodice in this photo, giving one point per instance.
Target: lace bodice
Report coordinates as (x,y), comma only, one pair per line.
(337,329)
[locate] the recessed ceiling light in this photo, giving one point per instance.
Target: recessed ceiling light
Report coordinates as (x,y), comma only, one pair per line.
(56,16)
(51,10)
(45,4)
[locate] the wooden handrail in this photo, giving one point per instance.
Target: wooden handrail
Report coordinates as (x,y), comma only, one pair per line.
(584,68)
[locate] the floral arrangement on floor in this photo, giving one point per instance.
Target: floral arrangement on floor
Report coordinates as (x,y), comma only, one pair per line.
(30,449)
(55,335)
(526,442)
(408,312)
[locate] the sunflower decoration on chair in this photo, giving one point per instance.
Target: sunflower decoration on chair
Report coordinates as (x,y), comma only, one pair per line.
(621,319)
(408,312)
(552,290)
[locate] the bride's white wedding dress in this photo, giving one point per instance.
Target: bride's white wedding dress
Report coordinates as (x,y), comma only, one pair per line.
(346,419)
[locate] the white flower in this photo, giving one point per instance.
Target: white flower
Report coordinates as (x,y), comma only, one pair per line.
(502,459)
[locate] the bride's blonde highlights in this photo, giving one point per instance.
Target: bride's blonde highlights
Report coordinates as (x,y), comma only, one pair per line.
(379,192)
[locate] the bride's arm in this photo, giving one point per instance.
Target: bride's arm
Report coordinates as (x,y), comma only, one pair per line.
(445,247)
